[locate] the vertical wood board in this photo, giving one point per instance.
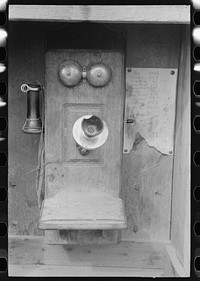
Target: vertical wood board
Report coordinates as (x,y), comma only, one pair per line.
(147,173)
(25,65)
(180,220)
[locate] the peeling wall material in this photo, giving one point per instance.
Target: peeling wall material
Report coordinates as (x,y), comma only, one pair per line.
(146,181)
(150,103)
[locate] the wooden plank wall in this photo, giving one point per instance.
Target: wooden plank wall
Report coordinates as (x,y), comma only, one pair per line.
(25,65)
(180,232)
(147,174)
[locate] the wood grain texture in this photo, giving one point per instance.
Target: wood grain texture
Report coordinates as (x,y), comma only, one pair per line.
(99,171)
(130,259)
(152,46)
(169,270)
(25,65)
(123,13)
(180,226)
(85,35)
(82,210)
(147,173)
(147,177)
(171,258)
(147,46)
(59,122)
(81,271)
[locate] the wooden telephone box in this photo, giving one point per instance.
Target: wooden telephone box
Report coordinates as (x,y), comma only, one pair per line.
(121,208)
(82,191)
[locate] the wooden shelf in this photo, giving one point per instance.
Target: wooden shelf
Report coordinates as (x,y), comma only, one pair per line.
(32,256)
(83,210)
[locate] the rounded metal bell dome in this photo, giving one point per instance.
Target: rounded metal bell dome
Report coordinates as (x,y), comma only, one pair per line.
(70,73)
(99,74)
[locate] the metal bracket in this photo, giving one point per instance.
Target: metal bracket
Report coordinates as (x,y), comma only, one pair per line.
(83,151)
(128,121)
(26,88)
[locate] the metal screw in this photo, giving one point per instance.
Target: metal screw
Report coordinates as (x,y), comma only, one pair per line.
(129,69)
(172,72)
(135,228)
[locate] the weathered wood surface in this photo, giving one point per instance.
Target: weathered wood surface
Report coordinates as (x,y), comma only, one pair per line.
(147,173)
(82,210)
(172,260)
(151,104)
(81,271)
(152,46)
(67,169)
(36,258)
(100,170)
(180,228)
(26,57)
(147,46)
(169,270)
(147,178)
(123,13)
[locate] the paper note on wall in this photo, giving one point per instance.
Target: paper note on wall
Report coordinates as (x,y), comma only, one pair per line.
(151,103)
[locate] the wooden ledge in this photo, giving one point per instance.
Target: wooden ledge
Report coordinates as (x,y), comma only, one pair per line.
(32,256)
(83,210)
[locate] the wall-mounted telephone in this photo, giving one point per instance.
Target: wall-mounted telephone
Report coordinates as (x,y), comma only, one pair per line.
(89,132)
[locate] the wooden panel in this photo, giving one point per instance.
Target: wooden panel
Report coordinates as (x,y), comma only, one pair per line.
(81,177)
(152,46)
(139,14)
(180,228)
(69,175)
(25,65)
(147,173)
(70,153)
(133,259)
(85,35)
